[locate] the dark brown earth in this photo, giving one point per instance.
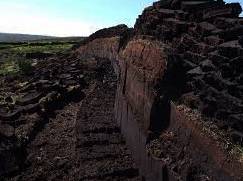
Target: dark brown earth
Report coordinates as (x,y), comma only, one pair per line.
(30,101)
(50,154)
(100,145)
(179,102)
(180,53)
(81,141)
(204,42)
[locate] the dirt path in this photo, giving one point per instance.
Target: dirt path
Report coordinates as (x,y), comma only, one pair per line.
(101,148)
(82,142)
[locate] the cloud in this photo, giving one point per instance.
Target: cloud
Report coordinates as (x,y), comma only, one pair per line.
(17,18)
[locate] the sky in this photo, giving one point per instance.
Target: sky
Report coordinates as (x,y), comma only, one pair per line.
(67,17)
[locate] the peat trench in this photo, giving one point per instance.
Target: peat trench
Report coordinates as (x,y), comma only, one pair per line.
(81,141)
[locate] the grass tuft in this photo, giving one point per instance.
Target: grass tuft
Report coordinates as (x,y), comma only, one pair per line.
(9,68)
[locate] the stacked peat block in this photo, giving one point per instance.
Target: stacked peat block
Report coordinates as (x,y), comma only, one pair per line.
(26,106)
(118,30)
(206,40)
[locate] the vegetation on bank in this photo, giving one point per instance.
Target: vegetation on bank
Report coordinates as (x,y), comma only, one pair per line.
(8,67)
(35,47)
(13,59)
(13,67)
(42,49)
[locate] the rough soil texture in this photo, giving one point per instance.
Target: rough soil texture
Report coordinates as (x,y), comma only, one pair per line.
(182,53)
(101,147)
(186,52)
(29,101)
(50,155)
(81,141)
(204,56)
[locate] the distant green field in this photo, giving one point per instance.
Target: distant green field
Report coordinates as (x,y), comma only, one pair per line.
(44,49)
(13,55)
(38,45)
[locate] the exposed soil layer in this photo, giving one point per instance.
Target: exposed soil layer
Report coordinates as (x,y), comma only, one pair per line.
(50,155)
(189,53)
(204,56)
(100,145)
(28,101)
(64,146)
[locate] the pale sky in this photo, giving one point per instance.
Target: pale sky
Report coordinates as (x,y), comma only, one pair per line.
(67,17)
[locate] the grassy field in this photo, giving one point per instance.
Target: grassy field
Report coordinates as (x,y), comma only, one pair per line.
(21,48)
(13,55)
(39,48)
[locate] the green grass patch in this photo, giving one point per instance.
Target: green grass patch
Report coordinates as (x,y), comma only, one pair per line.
(44,49)
(16,66)
(9,67)
(3,46)
(17,50)
(13,55)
